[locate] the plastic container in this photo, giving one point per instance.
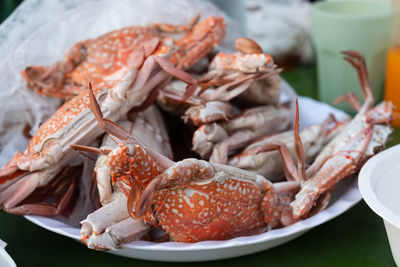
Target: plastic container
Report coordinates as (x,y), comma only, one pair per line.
(392,85)
(5,259)
(379,183)
(365,26)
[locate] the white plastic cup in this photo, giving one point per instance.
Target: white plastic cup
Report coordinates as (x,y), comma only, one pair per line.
(382,196)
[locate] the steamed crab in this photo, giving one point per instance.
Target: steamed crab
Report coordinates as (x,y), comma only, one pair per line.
(248,75)
(111,226)
(194,200)
(242,77)
(101,59)
(149,127)
(252,74)
(364,136)
(147,71)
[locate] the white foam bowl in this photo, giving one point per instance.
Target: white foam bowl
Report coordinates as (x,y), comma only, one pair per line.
(380,192)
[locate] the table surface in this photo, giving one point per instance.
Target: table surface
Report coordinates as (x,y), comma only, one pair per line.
(356,238)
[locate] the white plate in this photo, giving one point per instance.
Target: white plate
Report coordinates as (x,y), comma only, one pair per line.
(50,42)
(347,195)
(344,197)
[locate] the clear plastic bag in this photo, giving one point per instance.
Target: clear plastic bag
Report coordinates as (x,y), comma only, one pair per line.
(40,32)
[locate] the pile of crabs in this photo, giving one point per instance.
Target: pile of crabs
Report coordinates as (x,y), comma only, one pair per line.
(137,99)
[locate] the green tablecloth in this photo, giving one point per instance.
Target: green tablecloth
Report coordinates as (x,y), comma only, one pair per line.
(356,238)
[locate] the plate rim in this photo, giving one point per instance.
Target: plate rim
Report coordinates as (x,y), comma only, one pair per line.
(348,199)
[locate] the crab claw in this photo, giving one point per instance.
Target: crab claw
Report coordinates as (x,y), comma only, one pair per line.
(206,34)
(49,80)
(357,60)
(142,200)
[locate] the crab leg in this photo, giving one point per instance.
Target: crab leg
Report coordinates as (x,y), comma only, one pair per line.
(206,136)
(118,234)
(291,172)
(109,214)
(351,99)
(63,185)
(142,81)
(242,84)
(222,93)
(345,154)
(269,164)
(221,150)
(8,189)
(340,165)
(119,132)
(48,80)
(253,124)
(110,226)
(210,112)
(198,43)
(358,123)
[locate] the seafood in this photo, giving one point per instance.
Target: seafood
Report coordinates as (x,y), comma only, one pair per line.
(343,156)
(194,200)
(148,127)
(230,76)
(220,139)
(111,226)
(235,104)
(269,164)
(147,70)
(101,59)
(251,73)
(196,109)
(248,75)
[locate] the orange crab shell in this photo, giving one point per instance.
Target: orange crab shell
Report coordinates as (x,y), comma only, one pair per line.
(209,211)
(108,53)
(215,209)
(94,59)
(139,168)
(40,142)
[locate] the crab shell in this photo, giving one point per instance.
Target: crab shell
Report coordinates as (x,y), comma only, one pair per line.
(215,203)
(93,60)
(224,206)
(128,168)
